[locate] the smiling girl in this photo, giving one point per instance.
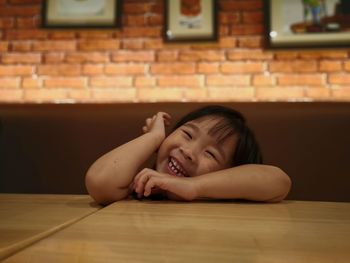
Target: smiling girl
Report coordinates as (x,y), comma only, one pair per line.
(211,154)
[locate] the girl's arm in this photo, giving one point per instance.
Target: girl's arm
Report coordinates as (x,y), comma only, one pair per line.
(251,182)
(109,177)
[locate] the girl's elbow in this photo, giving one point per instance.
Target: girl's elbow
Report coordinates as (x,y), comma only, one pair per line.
(100,191)
(284,184)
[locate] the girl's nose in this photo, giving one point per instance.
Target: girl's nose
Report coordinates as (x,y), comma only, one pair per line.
(189,153)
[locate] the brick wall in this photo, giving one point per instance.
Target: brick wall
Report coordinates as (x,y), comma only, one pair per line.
(133,63)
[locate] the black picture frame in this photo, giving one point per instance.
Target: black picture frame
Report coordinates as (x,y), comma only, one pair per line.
(73,14)
(195,24)
(292,24)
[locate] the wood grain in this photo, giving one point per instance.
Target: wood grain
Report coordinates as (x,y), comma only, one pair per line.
(158,231)
(25,218)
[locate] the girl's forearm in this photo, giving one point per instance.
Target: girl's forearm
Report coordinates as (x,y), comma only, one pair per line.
(251,182)
(109,177)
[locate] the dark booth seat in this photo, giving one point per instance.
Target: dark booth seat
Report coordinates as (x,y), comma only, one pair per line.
(47,148)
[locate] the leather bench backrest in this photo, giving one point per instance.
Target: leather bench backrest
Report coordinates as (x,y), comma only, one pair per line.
(47,148)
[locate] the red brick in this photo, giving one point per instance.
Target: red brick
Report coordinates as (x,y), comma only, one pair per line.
(142,32)
(264,80)
(224,80)
(54,57)
(159,94)
(154,43)
(132,43)
(136,8)
(110,82)
(254,17)
(113,95)
(286,55)
(208,68)
(141,81)
(60,70)
(242,67)
(93,69)
(250,42)
(330,66)
(180,81)
(256,29)
(7,22)
(280,94)
(99,45)
(95,34)
(205,55)
(239,5)
(83,57)
(9,82)
(341,93)
(67,82)
(24,2)
(173,68)
(293,66)
(323,54)
(195,94)
(125,69)
(340,79)
(57,45)
(318,93)
(26,58)
(249,55)
(30,10)
(60,35)
(27,22)
(16,70)
(167,55)
(134,20)
(21,46)
(227,42)
(300,79)
(11,95)
(347,66)
(32,83)
(229,18)
(25,34)
(45,95)
(231,94)
(4,45)
(133,56)
(335,54)
(80,95)
(155,20)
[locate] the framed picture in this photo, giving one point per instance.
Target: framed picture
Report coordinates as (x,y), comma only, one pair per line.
(190,20)
(81,13)
(307,23)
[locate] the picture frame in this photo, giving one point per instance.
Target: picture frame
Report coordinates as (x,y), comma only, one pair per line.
(298,24)
(190,20)
(70,14)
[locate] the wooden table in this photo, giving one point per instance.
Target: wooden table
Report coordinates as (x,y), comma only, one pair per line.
(164,231)
(25,219)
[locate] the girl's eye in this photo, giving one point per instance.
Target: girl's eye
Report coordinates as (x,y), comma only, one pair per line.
(187,134)
(211,155)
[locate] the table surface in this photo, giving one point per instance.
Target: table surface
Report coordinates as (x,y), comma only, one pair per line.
(165,231)
(26,218)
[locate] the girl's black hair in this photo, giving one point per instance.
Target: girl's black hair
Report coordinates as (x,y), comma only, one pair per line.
(247,149)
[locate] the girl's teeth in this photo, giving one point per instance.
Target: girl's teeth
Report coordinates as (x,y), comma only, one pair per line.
(176,168)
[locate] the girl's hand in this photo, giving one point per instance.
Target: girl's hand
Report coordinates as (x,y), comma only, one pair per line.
(149,181)
(157,123)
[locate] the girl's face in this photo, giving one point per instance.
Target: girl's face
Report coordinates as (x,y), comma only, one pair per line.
(191,150)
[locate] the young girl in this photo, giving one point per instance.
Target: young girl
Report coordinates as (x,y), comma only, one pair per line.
(210,154)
